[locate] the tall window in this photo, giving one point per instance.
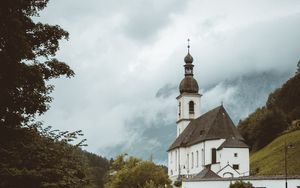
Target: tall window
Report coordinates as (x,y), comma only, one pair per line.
(213,156)
(192,160)
(188,161)
(179,109)
(191,107)
(197,158)
(203,157)
(176,160)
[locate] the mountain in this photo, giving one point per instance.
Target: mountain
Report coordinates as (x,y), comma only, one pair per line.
(270,159)
(268,122)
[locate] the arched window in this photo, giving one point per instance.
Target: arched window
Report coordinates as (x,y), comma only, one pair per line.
(191,107)
(213,156)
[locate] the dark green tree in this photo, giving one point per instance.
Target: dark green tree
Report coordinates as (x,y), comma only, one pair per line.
(127,172)
(30,155)
(27,61)
(40,157)
(262,127)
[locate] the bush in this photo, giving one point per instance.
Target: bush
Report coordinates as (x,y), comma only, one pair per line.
(241,184)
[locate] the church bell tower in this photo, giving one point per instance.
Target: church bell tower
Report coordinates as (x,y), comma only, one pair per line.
(189,98)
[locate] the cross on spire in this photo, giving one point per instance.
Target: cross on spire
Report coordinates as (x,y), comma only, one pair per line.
(188,40)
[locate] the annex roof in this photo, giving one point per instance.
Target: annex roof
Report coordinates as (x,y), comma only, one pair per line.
(206,173)
(233,143)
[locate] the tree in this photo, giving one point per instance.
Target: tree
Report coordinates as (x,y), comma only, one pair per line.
(133,172)
(241,184)
(27,61)
(30,155)
(298,67)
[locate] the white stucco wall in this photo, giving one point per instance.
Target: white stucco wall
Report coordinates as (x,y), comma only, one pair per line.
(209,144)
(193,167)
(184,100)
(267,183)
(242,159)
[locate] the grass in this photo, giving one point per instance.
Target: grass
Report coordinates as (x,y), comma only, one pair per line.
(270,159)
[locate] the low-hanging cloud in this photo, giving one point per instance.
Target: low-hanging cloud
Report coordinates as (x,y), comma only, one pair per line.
(124,52)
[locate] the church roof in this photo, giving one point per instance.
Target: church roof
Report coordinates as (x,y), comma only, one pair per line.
(206,173)
(214,124)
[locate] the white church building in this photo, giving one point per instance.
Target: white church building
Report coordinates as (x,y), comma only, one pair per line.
(207,144)
(208,150)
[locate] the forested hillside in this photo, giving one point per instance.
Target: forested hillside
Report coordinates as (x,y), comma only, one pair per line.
(268,122)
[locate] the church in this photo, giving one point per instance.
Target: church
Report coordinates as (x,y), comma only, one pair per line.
(207,145)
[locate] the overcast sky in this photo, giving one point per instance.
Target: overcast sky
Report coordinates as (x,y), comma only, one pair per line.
(126,54)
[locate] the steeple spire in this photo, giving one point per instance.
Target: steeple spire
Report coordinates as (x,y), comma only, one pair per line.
(188,40)
(188,84)
(188,62)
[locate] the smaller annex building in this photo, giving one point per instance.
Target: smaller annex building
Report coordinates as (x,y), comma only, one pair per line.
(208,143)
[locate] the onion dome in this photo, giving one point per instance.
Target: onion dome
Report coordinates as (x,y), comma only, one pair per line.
(188,85)
(188,59)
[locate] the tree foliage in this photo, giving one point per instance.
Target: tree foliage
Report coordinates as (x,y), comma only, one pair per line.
(127,172)
(241,184)
(27,61)
(30,155)
(30,158)
(266,123)
(37,157)
(97,168)
(262,126)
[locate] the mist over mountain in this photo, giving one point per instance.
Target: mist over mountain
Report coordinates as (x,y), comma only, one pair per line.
(152,131)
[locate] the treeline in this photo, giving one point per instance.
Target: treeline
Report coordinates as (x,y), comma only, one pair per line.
(34,157)
(281,113)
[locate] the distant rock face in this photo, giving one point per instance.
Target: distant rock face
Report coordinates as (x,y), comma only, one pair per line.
(240,97)
(248,92)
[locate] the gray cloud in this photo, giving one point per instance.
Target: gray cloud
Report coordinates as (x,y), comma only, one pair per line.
(240,96)
(128,58)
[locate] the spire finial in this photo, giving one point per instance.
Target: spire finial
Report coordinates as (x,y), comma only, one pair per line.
(188,40)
